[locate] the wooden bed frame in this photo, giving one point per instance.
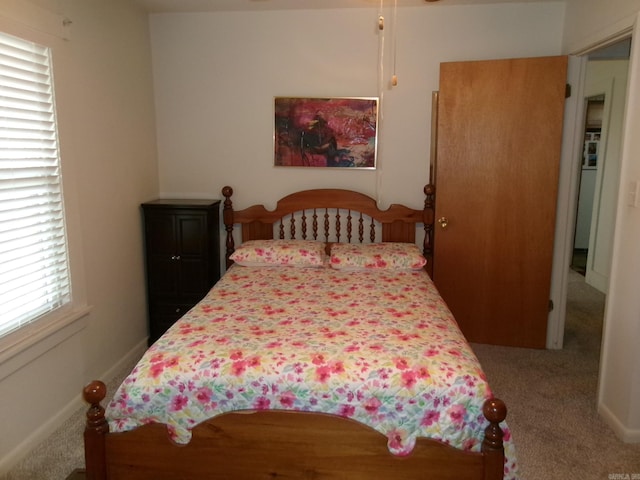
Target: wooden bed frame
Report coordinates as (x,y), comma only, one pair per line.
(322,212)
(285,444)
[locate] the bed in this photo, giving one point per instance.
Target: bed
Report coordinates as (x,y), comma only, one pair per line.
(324,352)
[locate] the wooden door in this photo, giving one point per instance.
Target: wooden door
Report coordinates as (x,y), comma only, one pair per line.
(498,155)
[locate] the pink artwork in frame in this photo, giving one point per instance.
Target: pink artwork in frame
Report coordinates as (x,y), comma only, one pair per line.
(326,132)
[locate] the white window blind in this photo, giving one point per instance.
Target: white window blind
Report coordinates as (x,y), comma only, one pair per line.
(34,276)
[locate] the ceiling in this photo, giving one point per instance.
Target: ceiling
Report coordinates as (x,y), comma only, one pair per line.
(157,6)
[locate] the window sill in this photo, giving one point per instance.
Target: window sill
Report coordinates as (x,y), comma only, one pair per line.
(25,345)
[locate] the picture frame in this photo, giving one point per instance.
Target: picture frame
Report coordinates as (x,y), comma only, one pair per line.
(336,132)
(590,153)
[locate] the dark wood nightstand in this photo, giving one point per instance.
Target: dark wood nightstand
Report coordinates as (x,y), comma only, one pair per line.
(182,243)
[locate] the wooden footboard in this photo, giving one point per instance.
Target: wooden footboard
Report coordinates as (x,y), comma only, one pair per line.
(279,444)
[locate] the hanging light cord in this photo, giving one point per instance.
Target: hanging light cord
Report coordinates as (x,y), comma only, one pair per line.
(394,77)
(378,188)
(381,50)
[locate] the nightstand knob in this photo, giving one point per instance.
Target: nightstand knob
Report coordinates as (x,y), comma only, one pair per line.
(178,310)
(175,257)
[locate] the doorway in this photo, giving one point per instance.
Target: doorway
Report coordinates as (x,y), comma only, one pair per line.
(599,175)
(587,181)
(598,180)
(599,167)
(573,148)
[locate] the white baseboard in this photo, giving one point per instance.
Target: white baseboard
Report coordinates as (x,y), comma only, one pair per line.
(130,358)
(38,436)
(627,435)
(57,420)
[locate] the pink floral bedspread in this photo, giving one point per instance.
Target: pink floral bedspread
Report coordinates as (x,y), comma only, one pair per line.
(379,347)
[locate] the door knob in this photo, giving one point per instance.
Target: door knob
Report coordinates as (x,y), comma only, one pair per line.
(443,222)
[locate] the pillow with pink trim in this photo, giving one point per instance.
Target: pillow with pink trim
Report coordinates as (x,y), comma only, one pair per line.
(287,253)
(387,255)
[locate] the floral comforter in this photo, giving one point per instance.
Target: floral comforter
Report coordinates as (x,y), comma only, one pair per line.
(380,347)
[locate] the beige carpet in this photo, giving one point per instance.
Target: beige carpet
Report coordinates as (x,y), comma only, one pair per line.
(551,396)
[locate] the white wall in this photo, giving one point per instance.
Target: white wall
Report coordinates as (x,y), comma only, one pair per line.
(215,76)
(107,139)
(587,23)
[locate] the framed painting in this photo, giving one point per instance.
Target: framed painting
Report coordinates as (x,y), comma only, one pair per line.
(326,132)
(590,155)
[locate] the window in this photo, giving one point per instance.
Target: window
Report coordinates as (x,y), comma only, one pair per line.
(34,272)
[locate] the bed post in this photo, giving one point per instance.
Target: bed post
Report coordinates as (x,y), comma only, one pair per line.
(428,214)
(495,411)
(95,431)
(227,217)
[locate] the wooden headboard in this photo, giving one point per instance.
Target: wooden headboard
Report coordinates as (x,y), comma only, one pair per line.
(331,215)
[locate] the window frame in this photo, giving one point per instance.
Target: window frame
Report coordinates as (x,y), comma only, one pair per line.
(33,206)
(21,346)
